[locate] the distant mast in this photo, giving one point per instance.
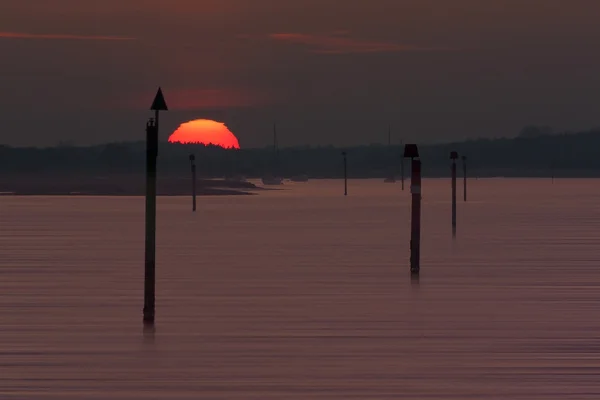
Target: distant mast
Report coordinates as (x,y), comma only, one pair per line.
(391,178)
(273,178)
(275,151)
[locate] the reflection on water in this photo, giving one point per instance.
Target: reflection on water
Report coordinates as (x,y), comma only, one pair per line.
(306,294)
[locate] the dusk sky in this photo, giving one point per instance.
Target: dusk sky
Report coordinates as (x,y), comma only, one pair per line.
(328,71)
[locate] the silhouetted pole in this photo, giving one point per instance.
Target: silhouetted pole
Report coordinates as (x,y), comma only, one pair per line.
(464,160)
(411,151)
(392,158)
(345,174)
(453,157)
(193,164)
(402,169)
(150,255)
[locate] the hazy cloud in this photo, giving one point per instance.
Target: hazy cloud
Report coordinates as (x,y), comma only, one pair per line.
(338,43)
(20,35)
(434,69)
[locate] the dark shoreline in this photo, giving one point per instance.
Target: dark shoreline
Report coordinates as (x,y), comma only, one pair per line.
(117,185)
(107,194)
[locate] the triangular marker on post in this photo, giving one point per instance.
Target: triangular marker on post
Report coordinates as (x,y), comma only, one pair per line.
(159,103)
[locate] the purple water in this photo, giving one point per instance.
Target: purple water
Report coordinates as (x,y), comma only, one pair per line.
(305,294)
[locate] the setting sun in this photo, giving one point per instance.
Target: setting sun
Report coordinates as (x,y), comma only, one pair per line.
(205,131)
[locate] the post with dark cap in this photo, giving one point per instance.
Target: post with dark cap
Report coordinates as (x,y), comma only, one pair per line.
(193,164)
(345,174)
(158,105)
(453,157)
(411,151)
(464,160)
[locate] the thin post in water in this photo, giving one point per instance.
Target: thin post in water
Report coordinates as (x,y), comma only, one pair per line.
(402,169)
(150,246)
(453,157)
(149,272)
(193,165)
(345,174)
(464,160)
(411,151)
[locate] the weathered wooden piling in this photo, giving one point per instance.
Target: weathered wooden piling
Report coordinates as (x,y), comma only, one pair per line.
(150,246)
(411,151)
(464,160)
(402,169)
(453,157)
(345,174)
(193,166)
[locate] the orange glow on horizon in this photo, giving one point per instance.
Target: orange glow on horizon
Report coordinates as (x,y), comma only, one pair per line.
(205,131)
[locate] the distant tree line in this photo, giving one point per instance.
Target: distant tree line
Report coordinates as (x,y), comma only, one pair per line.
(535,152)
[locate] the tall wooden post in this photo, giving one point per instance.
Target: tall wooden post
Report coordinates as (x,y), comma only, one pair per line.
(464,160)
(411,151)
(150,254)
(453,157)
(402,169)
(345,174)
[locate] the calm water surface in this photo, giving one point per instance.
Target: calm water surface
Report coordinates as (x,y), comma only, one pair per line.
(305,294)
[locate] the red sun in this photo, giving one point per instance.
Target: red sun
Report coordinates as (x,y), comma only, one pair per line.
(205,131)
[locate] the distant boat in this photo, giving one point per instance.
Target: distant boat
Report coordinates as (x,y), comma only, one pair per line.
(272,179)
(237,178)
(390,179)
(299,178)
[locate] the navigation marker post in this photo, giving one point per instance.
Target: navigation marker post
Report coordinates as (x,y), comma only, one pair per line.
(464,160)
(345,174)
(193,164)
(158,105)
(411,151)
(453,157)
(402,169)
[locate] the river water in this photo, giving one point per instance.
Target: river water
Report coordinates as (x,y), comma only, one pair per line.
(303,293)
